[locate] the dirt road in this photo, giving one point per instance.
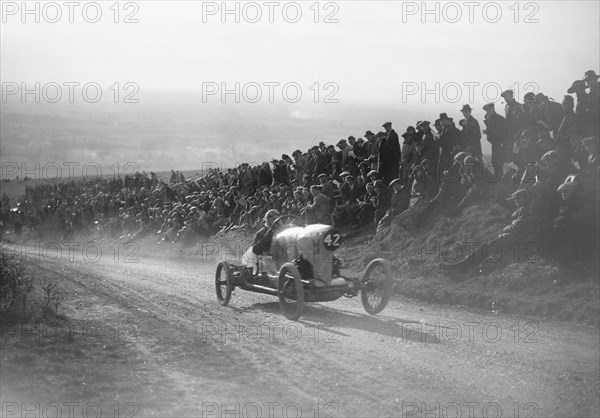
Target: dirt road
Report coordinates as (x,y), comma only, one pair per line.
(149,339)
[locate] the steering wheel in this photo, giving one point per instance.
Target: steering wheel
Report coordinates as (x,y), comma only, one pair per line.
(285,221)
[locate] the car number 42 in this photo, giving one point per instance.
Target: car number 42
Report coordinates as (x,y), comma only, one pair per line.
(332,240)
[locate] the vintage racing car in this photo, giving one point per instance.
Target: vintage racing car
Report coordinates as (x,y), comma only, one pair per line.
(301,267)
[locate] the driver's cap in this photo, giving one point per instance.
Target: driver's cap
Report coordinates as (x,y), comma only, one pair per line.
(272,212)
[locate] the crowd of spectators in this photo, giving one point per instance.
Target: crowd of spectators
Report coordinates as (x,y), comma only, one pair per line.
(357,182)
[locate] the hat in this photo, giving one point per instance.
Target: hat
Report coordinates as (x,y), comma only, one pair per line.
(424,123)
(507,93)
(315,148)
(409,131)
(589,140)
(529,97)
(363,164)
(322,175)
(577,85)
(351,138)
(395,181)
(466,107)
(520,193)
(372,172)
(444,116)
(386,124)
(550,155)
(350,177)
(340,142)
(321,143)
(344,174)
(368,133)
(272,213)
(360,140)
(590,74)
(488,106)
(297,152)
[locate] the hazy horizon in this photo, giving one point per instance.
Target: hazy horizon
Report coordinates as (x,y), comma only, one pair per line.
(374,64)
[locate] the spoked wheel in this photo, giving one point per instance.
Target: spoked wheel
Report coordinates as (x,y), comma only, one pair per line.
(291,292)
(376,286)
(285,221)
(223,283)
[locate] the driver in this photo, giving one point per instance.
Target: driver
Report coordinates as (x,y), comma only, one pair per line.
(262,240)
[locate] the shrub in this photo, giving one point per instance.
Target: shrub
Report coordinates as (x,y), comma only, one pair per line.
(15,284)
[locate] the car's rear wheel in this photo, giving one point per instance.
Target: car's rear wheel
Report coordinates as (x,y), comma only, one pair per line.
(376,286)
(223,283)
(290,291)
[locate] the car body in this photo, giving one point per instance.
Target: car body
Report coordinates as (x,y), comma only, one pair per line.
(301,267)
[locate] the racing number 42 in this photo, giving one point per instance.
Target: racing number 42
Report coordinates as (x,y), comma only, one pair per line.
(332,240)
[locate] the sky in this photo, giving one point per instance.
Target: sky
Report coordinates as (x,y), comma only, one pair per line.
(415,57)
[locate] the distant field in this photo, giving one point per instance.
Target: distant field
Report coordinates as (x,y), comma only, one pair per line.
(15,189)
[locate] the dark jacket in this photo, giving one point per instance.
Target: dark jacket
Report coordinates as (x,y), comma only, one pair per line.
(262,241)
(496,128)
(389,156)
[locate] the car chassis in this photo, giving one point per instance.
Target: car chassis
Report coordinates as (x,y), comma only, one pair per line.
(293,273)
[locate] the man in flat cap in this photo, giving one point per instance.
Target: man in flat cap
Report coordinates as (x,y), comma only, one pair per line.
(591,145)
(373,147)
(496,129)
(349,190)
(321,164)
(400,201)
(428,148)
(408,152)
(514,118)
(389,155)
(471,133)
(585,109)
(326,186)
(320,210)
(449,141)
(552,113)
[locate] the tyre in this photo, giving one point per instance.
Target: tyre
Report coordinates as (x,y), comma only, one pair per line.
(290,291)
(376,286)
(223,283)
